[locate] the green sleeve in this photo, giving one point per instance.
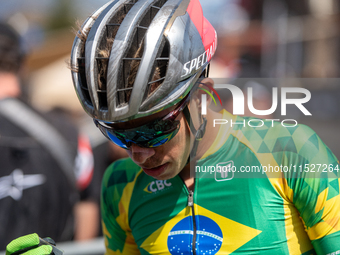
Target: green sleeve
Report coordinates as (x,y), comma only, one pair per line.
(116,231)
(315,186)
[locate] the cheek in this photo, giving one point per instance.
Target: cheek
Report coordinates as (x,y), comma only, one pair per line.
(182,142)
(129,153)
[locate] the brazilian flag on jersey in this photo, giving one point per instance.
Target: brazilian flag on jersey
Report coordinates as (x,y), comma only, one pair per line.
(278,212)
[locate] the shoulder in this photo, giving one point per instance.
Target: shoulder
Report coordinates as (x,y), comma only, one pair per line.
(277,136)
(120,172)
(291,137)
(293,142)
(117,187)
(299,139)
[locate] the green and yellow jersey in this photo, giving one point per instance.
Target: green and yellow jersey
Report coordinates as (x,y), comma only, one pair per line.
(278,195)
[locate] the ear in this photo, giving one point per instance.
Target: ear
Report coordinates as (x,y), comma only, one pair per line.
(206,83)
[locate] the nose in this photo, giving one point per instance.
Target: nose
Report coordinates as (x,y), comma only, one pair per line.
(139,154)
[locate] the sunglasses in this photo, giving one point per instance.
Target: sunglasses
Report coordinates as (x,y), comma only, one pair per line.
(150,135)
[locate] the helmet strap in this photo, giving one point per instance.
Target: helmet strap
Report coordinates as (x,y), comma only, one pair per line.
(199,133)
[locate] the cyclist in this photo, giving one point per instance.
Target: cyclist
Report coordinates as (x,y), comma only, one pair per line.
(134,65)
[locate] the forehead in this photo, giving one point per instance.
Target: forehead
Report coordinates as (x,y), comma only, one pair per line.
(142,121)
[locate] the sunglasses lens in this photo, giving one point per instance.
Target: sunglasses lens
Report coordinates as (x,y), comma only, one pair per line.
(116,140)
(150,135)
(161,142)
(111,136)
(158,141)
(163,139)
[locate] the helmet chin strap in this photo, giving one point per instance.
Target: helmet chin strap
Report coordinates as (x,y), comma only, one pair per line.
(199,133)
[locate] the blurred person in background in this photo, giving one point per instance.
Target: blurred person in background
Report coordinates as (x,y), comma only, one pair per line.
(236,58)
(46,165)
(104,153)
(235,55)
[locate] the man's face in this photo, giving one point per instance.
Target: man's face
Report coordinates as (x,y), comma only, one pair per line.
(166,161)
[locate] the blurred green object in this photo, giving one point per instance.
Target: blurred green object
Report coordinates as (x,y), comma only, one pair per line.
(32,244)
(61,16)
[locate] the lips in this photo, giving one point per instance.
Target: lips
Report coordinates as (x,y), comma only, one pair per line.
(156,171)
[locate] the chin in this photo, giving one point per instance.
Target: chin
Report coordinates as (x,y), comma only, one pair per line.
(169,174)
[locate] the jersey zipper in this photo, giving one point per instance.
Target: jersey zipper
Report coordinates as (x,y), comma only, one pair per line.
(191,204)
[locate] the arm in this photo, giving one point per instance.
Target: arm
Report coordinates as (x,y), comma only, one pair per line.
(87,220)
(316,192)
(86,211)
(117,233)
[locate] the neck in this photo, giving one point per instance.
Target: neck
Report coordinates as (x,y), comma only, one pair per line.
(187,179)
(210,134)
(204,144)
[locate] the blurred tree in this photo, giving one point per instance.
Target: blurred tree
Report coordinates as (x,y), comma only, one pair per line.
(62,15)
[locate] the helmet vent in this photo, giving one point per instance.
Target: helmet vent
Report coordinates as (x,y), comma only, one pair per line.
(133,56)
(159,69)
(80,66)
(104,50)
(82,79)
